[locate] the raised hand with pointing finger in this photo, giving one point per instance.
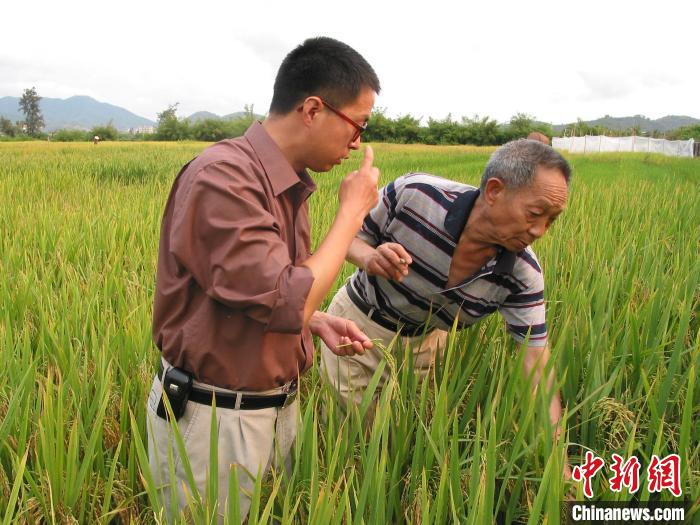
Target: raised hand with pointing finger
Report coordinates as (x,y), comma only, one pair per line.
(357,195)
(358,192)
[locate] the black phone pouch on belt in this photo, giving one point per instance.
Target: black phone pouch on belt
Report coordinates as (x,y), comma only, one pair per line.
(177,385)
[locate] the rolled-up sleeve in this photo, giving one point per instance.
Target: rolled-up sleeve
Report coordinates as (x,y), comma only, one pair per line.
(525,314)
(226,235)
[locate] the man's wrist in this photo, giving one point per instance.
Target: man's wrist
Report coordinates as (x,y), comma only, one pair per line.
(347,219)
(366,259)
(316,321)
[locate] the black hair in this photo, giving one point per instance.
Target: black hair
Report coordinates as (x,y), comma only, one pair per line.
(323,67)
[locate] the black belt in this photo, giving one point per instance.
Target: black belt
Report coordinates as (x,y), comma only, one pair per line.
(406,329)
(247,401)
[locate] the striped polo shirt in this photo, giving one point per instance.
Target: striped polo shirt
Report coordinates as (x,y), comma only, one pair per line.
(426,215)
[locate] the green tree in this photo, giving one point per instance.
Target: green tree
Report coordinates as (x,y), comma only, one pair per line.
(407,129)
(249,113)
(685,133)
(238,126)
(380,127)
(580,128)
(108,132)
(7,128)
(522,124)
(170,127)
(636,130)
(244,122)
(70,135)
(211,130)
(29,105)
(482,131)
(444,131)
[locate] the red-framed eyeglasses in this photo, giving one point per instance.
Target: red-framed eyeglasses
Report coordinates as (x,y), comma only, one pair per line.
(359,128)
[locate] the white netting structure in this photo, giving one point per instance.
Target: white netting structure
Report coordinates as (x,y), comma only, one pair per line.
(602,144)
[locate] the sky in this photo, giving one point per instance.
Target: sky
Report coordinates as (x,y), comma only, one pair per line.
(554,60)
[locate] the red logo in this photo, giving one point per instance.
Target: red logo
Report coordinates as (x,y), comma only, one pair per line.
(586,472)
(665,474)
(626,474)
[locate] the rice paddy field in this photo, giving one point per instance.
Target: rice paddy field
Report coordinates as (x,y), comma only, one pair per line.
(79,228)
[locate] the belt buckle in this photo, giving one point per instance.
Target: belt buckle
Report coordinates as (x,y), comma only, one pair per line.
(293,388)
(291,396)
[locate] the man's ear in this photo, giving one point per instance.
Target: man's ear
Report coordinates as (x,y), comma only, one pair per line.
(494,190)
(310,109)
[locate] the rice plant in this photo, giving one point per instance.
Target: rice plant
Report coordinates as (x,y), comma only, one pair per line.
(79,228)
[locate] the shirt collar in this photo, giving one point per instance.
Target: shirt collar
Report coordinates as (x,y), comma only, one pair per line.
(456,219)
(277,168)
(505,261)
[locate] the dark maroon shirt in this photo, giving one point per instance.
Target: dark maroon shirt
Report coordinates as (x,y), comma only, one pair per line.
(230,288)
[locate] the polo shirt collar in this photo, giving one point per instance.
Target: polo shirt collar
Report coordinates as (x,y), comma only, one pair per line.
(456,219)
(277,168)
(459,211)
(505,261)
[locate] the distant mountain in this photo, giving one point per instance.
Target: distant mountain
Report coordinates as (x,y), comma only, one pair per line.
(79,112)
(662,124)
(671,122)
(239,114)
(204,115)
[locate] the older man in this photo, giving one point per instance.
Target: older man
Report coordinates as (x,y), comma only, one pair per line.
(433,250)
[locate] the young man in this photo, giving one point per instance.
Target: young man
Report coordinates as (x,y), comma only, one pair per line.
(433,250)
(237,290)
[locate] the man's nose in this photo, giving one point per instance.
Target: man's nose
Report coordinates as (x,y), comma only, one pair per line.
(355,144)
(538,229)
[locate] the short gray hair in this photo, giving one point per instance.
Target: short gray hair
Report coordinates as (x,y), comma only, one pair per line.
(516,162)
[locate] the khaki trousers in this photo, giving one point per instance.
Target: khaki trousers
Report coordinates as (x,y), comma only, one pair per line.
(252,440)
(350,375)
